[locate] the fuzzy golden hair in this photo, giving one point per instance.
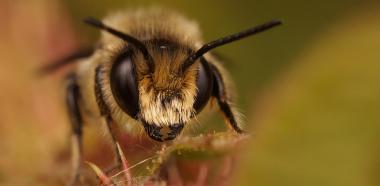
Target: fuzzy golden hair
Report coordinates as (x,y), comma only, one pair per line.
(147,25)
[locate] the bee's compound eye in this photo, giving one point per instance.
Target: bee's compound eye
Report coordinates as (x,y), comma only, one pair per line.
(204,85)
(124,85)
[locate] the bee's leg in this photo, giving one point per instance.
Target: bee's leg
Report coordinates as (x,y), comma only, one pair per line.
(105,112)
(52,67)
(72,101)
(113,134)
(219,93)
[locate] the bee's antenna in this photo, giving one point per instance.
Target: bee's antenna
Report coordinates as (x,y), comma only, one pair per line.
(228,39)
(137,43)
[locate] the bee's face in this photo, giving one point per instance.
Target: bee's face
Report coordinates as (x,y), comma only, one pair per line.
(165,98)
(159,83)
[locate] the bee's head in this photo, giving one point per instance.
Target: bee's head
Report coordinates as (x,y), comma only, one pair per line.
(159,83)
(164,97)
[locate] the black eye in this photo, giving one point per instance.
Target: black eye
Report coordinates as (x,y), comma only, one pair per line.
(204,85)
(124,84)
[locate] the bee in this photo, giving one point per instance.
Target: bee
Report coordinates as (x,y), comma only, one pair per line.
(150,70)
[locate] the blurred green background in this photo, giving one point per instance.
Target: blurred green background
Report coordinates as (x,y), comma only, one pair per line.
(309,89)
